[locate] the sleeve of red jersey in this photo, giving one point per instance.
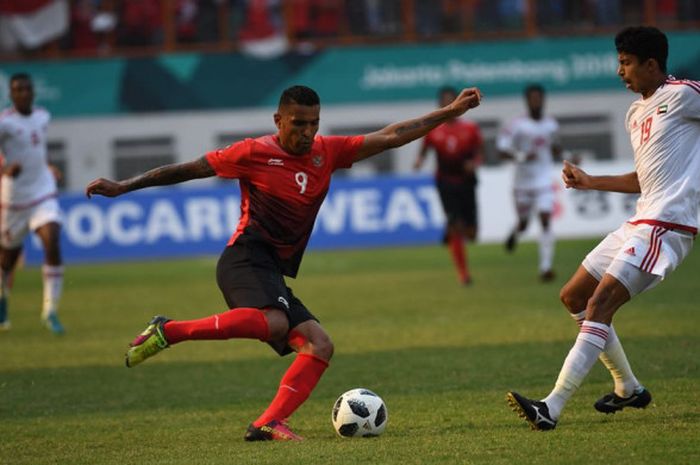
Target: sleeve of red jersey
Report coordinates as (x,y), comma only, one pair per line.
(232,161)
(343,149)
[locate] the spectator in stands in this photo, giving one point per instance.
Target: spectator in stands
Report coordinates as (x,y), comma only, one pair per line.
(428,17)
(92,21)
(140,23)
(310,19)
(82,36)
(608,12)
(262,20)
(186,20)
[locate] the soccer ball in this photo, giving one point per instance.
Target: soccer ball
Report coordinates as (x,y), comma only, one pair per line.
(359,413)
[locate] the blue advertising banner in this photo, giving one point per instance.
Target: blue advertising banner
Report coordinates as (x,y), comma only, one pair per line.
(180,222)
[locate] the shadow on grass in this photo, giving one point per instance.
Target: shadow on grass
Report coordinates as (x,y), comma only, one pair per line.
(429,371)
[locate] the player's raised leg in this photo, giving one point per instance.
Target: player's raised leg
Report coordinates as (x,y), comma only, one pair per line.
(314,350)
(52,273)
(238,323)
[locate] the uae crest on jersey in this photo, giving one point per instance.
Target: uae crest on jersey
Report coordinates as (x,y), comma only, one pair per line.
(662,109)
(317,161)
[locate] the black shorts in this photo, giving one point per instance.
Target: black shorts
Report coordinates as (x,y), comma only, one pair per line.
(459,201)
(249,275)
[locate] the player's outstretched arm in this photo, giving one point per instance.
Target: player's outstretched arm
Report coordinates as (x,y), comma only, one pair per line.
(575,177)
(161,176)
(398,134)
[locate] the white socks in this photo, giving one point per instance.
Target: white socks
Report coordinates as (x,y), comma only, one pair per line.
(546,248)
(615,360)
(53,285)
(589,344)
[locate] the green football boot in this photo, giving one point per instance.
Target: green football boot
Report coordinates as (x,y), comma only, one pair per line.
(148,343)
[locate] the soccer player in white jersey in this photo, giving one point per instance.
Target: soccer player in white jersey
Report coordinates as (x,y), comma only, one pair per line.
(28,197)
(531,141)
(664,127)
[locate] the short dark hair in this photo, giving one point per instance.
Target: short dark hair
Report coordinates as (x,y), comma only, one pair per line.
(447,90)
(644,42)
(20,77)
(301,95)
(530,88)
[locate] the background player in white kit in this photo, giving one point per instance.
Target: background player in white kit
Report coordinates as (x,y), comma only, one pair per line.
(28,197)
(664,127)
(532,142)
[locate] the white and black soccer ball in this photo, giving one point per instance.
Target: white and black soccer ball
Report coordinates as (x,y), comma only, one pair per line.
(359,413)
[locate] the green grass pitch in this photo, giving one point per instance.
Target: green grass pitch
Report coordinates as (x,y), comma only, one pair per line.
(440,355)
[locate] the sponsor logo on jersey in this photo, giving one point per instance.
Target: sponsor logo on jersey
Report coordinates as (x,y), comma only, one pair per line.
(630,251)
(662,109)
(283,301)
(317,161)
(275,162)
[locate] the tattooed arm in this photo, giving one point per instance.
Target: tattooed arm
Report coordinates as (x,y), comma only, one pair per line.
(161,176)
(398,134)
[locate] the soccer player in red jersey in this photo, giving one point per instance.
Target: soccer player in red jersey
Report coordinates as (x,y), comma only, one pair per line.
(458,146)
(283,179)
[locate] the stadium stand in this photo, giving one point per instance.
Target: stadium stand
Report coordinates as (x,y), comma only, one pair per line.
(127,27)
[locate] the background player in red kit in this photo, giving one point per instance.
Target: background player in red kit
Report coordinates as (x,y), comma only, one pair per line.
(458,146)
(284,179)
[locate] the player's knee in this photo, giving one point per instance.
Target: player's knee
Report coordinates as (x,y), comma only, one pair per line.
(317,343)
(322,347)
(572,300)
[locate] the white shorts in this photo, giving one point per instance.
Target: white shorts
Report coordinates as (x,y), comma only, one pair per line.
(16,224)
(527,200)
(639,256)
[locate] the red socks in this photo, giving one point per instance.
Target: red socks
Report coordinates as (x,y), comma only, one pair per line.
(458,252)
(295,387)
(296,384)
(247,323)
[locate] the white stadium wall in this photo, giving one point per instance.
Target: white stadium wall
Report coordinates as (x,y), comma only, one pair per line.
(88,144)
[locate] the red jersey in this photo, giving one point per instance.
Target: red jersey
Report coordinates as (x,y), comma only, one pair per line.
(281,193)
(454,142)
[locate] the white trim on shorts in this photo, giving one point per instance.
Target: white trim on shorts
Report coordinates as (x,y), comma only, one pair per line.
(639,256)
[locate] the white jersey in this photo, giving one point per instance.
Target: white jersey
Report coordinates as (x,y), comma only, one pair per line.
(23,141)
(665,134)
(527,135)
